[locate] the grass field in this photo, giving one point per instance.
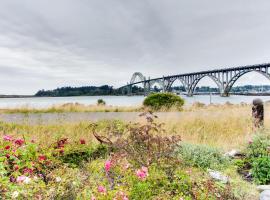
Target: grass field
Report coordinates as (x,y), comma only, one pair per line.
(221,127)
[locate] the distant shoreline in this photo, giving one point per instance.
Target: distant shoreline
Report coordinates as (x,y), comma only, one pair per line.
(17,96)
(204,93)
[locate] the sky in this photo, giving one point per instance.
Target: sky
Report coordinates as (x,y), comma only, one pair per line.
(46,44)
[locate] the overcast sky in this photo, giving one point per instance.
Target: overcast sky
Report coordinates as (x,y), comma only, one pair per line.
(53,43)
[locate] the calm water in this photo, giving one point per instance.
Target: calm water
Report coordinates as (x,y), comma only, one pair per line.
(43,102)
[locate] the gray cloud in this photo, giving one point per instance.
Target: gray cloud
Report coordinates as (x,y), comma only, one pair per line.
(46,44)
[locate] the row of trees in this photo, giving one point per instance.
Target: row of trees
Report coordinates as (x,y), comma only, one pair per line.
(79,91)
(109,90)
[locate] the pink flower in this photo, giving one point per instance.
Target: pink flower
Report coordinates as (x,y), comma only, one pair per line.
(28,171)
(142,173)
(145,169)
(250,141)
(108,165)
(127,166)
(42,158)
(121,195)
(19,142)
(7,147)
(102,189)
(21,179)
(93,198)
(7,137)
(82,141)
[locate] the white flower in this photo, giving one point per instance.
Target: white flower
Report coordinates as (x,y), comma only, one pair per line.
(15,195)
(58,179)
(27,180)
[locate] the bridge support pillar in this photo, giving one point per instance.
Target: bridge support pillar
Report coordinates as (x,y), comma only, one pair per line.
(224,94)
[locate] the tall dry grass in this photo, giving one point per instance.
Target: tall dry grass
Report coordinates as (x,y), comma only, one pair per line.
(224,126)
(72,107)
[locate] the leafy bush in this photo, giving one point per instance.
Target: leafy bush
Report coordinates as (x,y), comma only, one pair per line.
(142,144)
(257,159)
(101,102)
(76,155)
(258,147)
(158,101)
(261,170)
(202,156)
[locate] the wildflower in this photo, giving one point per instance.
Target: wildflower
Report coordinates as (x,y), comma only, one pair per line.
(145,169)
(250,141)
(93,198)
(127,166)
(12,179)
(27,180)
(58,179)
(61,151)
(82,141)
(142,173)
(121,195)
(7,156)
(61,143)
(102,189)
(7,147)
(15,194)
(19,142)
(108,165)
(28,171)
(7,137)
(16,167)
(21,179)
(42,158)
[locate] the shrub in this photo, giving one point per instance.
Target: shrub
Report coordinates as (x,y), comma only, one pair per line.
(142,144)
(158,101)
(258,147)
(257,159)
(76,155)
(261,170)
(101,102)
(202,156)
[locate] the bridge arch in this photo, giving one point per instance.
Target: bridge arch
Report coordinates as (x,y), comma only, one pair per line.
(199,78)
(184,83)
(156,82)
(233,80)
(137,75)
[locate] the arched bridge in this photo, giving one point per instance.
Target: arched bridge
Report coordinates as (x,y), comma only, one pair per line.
(224,79)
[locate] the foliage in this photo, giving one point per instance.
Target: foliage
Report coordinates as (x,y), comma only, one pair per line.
(257,159)
(202,156)
(158,101)
(261,170)
(77,155)
(142,144)
(259,146)
(134,161)
(79,91)
(101,102)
